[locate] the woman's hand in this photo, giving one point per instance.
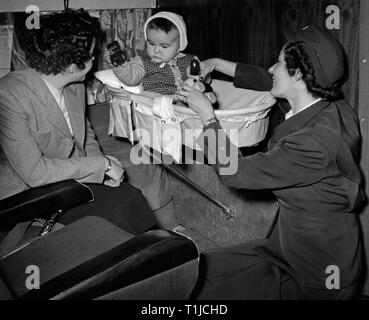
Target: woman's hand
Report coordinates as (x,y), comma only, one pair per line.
(207,67)
(191,82)
(115,174)
(220,65)
(197,102)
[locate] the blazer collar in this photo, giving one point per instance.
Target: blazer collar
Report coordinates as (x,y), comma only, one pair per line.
(74,103)
(298,121)
(54,114)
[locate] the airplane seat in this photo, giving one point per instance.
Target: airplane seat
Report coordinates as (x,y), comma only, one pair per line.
(90,258)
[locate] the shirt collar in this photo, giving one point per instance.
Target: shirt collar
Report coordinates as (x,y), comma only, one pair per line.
(290,113)
(57,94)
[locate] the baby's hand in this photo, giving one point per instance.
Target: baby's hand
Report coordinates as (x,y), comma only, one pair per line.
(107,58)
(129,52)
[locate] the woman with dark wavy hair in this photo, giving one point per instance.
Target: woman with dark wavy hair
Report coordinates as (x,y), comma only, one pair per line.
(297,59)
(311,166)
(63,40)
(44,134)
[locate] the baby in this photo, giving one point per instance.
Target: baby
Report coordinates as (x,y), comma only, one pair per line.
(163,68)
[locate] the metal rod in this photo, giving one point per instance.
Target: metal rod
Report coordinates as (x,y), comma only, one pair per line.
(227,211)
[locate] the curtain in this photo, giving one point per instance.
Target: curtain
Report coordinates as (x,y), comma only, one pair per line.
(250,31)
(125,25)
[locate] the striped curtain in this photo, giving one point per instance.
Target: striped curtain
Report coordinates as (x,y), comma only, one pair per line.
(125,26)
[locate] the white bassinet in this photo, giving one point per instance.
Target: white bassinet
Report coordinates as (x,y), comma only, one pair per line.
(243,110)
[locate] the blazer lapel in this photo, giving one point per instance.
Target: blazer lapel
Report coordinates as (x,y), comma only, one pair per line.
(53,112)
(76,114)
(297,122)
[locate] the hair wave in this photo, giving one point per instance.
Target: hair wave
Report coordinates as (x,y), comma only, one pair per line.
(296,58)
(62,39)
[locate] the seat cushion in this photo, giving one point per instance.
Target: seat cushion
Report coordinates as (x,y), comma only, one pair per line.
(5,293)
(64,257)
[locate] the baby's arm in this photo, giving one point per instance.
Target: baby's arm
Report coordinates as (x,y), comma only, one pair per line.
(130,72)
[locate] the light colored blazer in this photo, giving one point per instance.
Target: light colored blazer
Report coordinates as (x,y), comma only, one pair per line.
(36,145)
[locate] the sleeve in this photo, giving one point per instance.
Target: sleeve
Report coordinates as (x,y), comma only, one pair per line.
(92,147)
(252,77)
(25,156)
(298,160)
(131,72)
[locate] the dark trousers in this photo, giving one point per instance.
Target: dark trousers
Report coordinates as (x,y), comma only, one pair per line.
(238,273)
(123,206)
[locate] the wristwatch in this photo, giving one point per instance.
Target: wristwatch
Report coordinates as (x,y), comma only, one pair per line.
(109,166)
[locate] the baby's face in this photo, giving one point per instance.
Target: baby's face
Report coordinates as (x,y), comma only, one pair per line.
(161,46)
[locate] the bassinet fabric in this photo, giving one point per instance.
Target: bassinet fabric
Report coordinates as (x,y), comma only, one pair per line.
(242,113)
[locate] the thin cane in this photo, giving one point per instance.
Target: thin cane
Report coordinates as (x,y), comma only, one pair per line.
(226,210)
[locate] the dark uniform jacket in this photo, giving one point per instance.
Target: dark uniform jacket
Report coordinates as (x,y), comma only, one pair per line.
(311,167)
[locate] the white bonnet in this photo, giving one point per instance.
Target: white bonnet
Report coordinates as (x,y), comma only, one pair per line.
(177,20)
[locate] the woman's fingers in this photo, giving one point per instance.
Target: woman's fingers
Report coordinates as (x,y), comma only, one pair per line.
(183,93)
(195,100)
(112,183)
(206,68)
(182,98)
(185,90)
